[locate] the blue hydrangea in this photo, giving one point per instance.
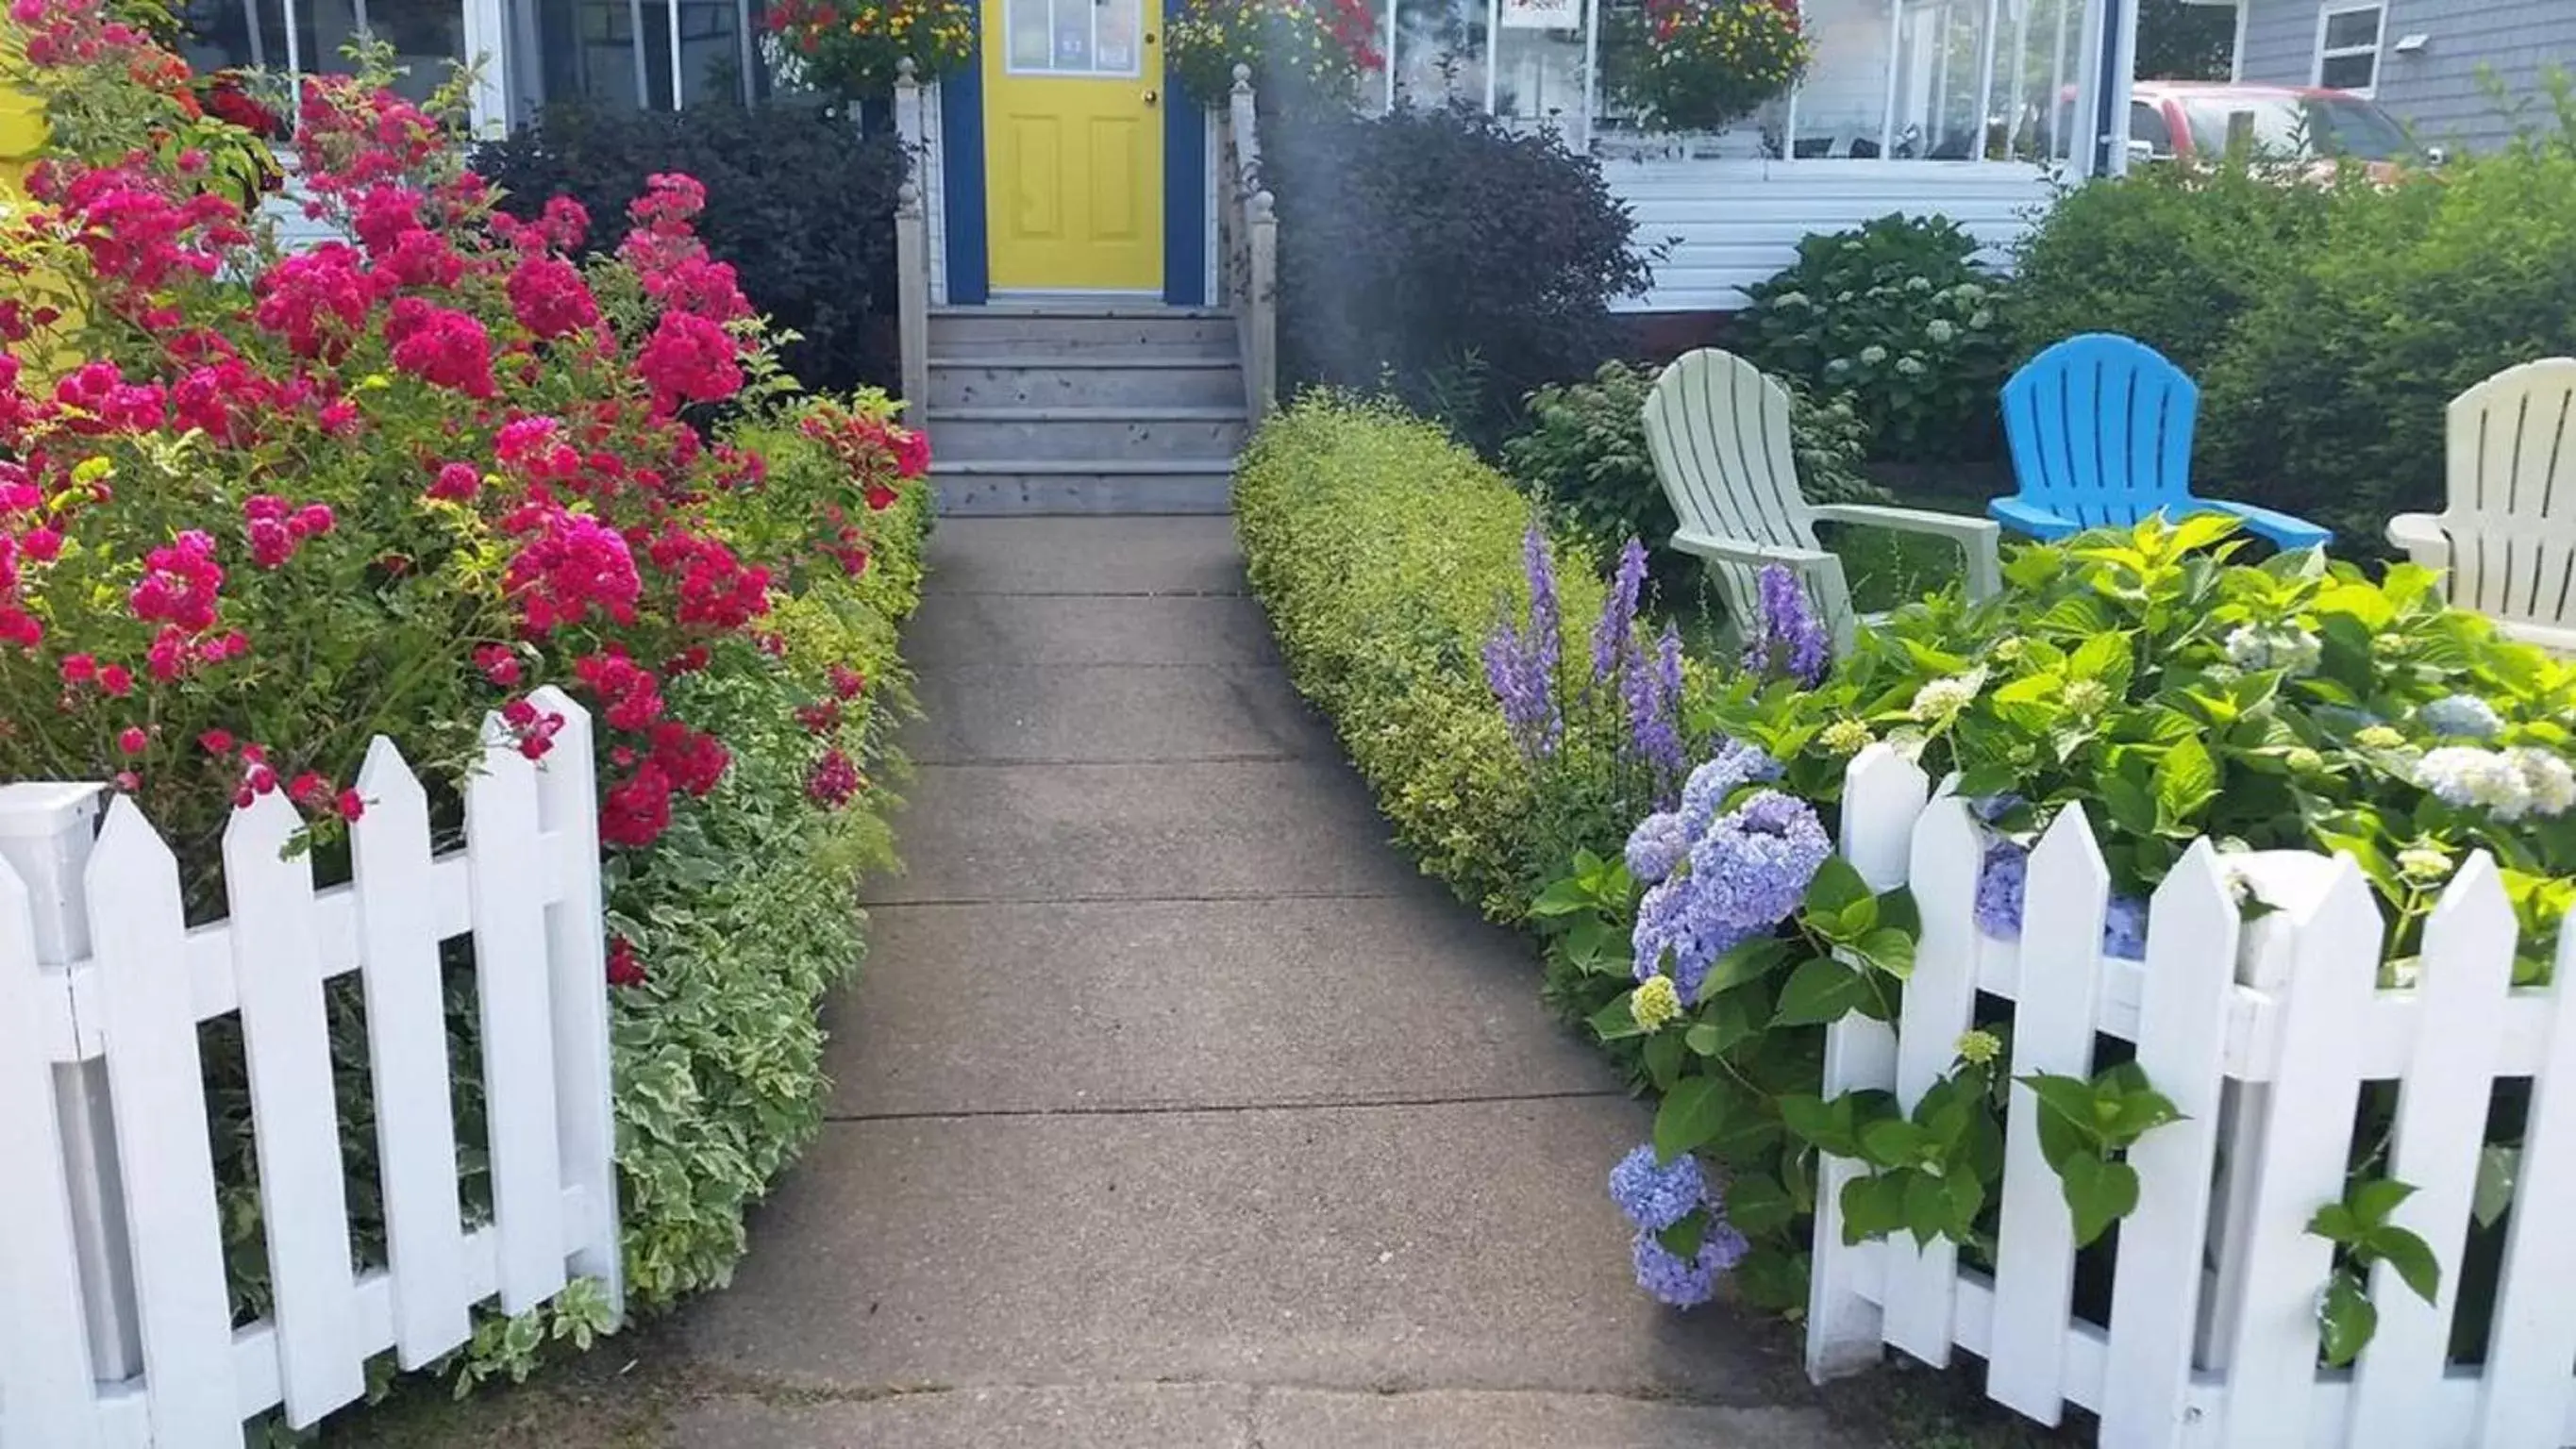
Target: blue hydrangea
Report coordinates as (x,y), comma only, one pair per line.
(2002,884)
(1679,930)
(1734,766)
(2461,717)
(1754,864)
(1688,1283)
(1654,1195)
(1659,843)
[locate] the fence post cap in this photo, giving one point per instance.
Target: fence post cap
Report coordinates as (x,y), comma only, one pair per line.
(1242,79)
(904,69)
(44,807)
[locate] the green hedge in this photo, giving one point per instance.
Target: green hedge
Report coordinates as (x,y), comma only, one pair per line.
(1384,553)
(2329,325)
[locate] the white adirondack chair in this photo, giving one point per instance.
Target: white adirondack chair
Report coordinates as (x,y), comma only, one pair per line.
(1719,432)
(2508,537)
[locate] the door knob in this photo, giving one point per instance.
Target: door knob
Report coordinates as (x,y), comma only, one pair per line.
(1152,96)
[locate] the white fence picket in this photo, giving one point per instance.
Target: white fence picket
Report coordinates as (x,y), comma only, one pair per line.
(2064,899)
(2465,970)
(407,1059)
(2526,1393)
(44,1360)
(513,987)
(2271,1388)
(1883,795)
(286,1042)
(139,938)
(2192,935)
(576,949)
(1940,1001)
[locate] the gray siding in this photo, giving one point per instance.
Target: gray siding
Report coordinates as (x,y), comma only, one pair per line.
(2435,90)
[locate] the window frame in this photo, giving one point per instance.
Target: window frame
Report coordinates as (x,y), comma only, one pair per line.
(2327,11)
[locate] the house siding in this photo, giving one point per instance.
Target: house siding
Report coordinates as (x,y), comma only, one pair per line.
(1723,225)
(2436,90)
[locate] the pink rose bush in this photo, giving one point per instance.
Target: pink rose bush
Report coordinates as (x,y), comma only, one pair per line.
(256,508)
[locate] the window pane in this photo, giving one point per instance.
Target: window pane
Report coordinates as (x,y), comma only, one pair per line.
(2147,123)
(428,38)
(587,51)
(223,34)
(2037,49)
(1843,100)
(1540,83)
(2352,28)
(1439,52)
(2349,72)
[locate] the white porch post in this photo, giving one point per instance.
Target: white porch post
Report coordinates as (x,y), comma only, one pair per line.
(2122,81)
(2084,154)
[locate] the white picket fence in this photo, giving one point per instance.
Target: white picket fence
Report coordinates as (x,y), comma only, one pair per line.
(2262,1033)
(115,1325)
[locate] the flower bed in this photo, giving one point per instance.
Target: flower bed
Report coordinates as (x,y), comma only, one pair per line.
(2171,691)
(256,508)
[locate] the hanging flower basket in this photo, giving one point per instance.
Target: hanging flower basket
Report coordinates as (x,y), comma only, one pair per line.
(1703,65)
(1325,45)
(851,48)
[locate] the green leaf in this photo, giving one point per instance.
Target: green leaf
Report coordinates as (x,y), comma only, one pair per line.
(2028,704)
(2185,780)
(1894,1142)
(1888,949)
(1692,1113)
(1967,1195)
(1822,990)
(2498,1165)
(2098,1193)
(1683,1238)
(1615,1022)
(1705,1039)
(1562,897)
(2374,1199)
(1663,1057)
(1873,1206)
(1755,958)
(1927,1207)
(1827,1125)
(1836,886)
(1757,1204)
(1773,1281)
(2411,1256)
(2345,1319)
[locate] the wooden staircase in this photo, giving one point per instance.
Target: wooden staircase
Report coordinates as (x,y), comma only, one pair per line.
(1079,407)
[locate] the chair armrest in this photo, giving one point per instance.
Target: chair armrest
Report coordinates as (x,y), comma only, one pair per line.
(2285,530)
(2558,639)
(2421,535)
(1745,551)
(2023,516)
(1976,537)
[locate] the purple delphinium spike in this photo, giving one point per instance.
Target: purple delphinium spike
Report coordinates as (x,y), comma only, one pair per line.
(1654,700)
(1520,689)
(1787,641)
(1546,622)
(1611,638)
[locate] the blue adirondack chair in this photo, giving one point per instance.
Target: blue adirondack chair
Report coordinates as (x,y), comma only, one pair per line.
(2100,428)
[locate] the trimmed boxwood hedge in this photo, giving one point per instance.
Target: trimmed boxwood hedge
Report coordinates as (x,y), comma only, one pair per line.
(1384,553)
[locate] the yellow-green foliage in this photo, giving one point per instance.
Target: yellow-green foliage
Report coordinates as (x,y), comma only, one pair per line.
(1385,553)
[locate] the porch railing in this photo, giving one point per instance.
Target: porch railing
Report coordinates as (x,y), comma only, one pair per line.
(1248,237)
(911,246)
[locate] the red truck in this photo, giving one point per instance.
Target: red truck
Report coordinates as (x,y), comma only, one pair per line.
(2183,120)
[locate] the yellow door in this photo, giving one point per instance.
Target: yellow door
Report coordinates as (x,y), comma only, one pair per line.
(1073,148)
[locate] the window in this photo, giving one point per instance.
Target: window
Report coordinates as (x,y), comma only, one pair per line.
(2348,46)
(2147,123)
(426,36)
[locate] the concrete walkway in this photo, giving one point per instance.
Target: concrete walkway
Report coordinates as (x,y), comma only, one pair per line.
(1174,1108)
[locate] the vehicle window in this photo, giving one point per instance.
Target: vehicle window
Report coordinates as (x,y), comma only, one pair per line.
(2147,123)
(2302,128)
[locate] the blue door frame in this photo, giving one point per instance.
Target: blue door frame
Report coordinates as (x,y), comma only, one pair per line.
(961,121)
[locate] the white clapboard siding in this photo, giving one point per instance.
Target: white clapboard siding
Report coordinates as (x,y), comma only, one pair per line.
(1723,225)
(99,973)
(2262,1034)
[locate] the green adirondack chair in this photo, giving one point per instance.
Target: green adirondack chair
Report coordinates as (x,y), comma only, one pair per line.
(1719,433)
